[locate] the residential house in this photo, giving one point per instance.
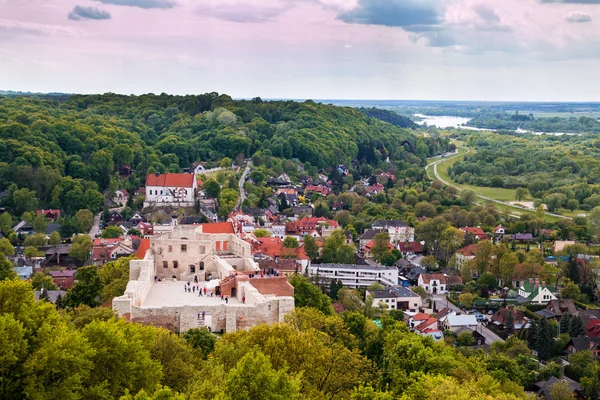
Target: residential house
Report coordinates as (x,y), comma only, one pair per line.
(170,189)
(438,283)
(64,279)
(399,231)
(454,321)
(369,247)
(501,318)
(105,250)
(51,215)
(542,389)
(308,225)
(136,218)
(560,307)
(287,267)
(427,326)
(410,248)
(523,272)
(465,255)
(115,217)
(417,319)
(366,237)
(534,291)
(584,343)
(282,180)
(320,189)
(499,231)
(476,232)
(375,189)
(396,298)
(560,245)
(300,210)
(23,228)
(50,295)
(356,276)
(278,231)
(522,237)
(24,272)
(591,321)
(121,196)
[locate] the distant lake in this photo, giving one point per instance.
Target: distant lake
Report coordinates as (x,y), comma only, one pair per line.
(442,121)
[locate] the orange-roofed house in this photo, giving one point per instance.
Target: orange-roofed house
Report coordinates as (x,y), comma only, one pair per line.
(438,283)
(170,189)
(465,255)
(417,319)
(476,231)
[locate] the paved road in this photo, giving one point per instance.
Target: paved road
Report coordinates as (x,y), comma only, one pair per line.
(505,203)
(241,186)
(490,336)
(95,230)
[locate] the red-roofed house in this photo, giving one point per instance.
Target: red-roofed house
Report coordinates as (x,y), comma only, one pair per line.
(63,279)
(465,254)
(407,248)
(218,227)
(51,215)
(106,251)
(324,191)
(171,189)
(370,244)
(309,224)
(430,324)
(375,189)
(499,230)
(477,232)
(417,319)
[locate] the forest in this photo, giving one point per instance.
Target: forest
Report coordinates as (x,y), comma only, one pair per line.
(562,171)
(84,352)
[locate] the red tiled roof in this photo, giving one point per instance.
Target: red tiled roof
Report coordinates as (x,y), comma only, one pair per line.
(415,247)
(421,317)
(111,241)
(170,180)
(55,213)
(144,246)
(468,251)
(496,229)
(425,325)
(475,231)
(369,245)
(449,280)
(218,227)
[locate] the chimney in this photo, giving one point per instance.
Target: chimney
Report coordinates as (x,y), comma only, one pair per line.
(157,174)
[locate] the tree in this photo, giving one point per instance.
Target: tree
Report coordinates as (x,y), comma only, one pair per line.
(6,247)
(350,300)
(487,281)
(54,239)
(111,232)
(570,290)
(381,244)
(290,242)
(85,218)
(429,263)
(37,240)
(227,201)
(308,295)
(255,378)
(388,258)
(212,189)
(419,290)
(343,217)
(311,248)
(6,269)
(6,223)
(572,204)
(86,290)
(260,233)
(521,193)
(80,250)
(345,254)
(40,280)
(40,223)
(466,299)
(122,155)
(468,197)
(115,276)
(576,327)
(32,251)
(465,339)
(561,390)
(483,254)
(508,263)
(201,339)
(225,162)
(23,200)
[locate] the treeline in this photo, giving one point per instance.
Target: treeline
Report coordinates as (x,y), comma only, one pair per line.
(88,353)
(506,121)
(389,116)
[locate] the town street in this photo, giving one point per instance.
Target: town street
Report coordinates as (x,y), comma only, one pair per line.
(442,302)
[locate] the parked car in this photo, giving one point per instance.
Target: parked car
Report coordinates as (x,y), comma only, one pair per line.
(490,312)
(480,317)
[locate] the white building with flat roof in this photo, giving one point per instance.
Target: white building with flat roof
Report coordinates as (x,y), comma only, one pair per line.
(356,276)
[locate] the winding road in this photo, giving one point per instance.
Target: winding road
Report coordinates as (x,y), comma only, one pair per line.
(241,186)
(435,164)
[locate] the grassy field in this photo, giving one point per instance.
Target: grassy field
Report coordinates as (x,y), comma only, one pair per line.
(220,176)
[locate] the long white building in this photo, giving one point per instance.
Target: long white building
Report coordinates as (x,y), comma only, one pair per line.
(356,276)
(171,189)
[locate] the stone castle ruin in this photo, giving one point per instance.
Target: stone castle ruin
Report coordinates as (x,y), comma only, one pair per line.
(203,275)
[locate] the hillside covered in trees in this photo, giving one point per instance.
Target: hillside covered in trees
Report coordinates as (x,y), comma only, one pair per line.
(65,154)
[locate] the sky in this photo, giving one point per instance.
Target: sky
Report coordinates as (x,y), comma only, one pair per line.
(511,50)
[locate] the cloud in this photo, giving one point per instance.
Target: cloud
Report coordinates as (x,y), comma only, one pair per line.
(572,1)
(79,13)
(578,17)
(486,12)
(410,15)
(163,4)
(244,12)
(12,26)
